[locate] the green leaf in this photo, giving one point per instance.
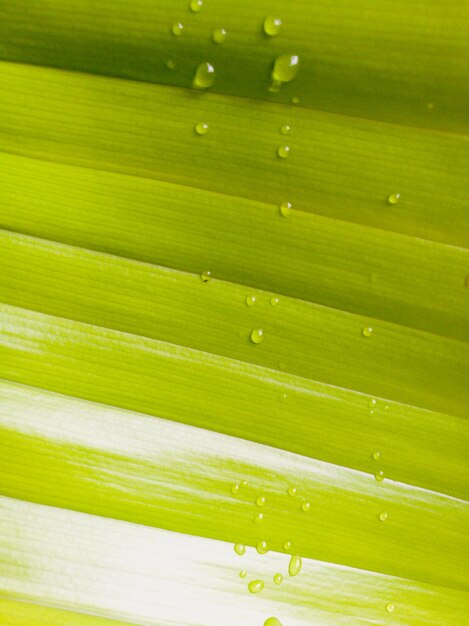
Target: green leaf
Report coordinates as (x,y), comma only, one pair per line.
(229,319)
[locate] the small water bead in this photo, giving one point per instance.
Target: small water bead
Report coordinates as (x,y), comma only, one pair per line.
(219,35)
(272,621)
(292,491)
(278,578)
(294,567)
(177,29)
(259,518)
(235,489)
(372,403)
(377,455)
(283,151)
(262,547)
(367,331)
(390,608)
(272,25)
(201,128)
(244,483)
(274,301)
(284,396)
(275,86)
(256,586)
(285,208)
(286,68)
(257,335)
(306,506)
(196,5)
(204,76)
(243,573)
(394,198)
(379,476)
(287,545)
(261,500)
(383,516)
(170,64)
(239,548)
(285,129)
(206,277)
(250,301)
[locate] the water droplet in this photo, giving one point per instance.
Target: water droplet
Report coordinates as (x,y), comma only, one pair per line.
(272,621)
(240,548)
(285,208)
(286,68)
(379,476)
(196,5)
(294,567)
(292,491)
(285,129)
(377,455)
(257,335)
(219,35)
(244,483)
(295,100)
(287,545)
(394,198)
(383,516)
(274,301)
(250,300)
(284,396)
(278,578)
(275,86)
(204,76)
(201,128)
(258,518)
(177,29)
(255,586)
(243,573)
(262,547)
(367,331)
(306,506)
(372,403)
(272,25)
(386,407)
(283,151)
(170,64)
(390,607)
(261,500)
(206,277)
(235,489)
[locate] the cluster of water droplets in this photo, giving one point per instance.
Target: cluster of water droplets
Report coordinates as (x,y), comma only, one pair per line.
(261,501)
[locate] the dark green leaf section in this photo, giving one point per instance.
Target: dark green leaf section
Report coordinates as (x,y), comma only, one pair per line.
(371,272)
(113,463)
(235,398)
(402,61)
(338,167)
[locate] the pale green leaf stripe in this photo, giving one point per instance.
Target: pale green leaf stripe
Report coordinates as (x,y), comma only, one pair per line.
(399,60)
(236,398)
(15,613)
(154,577)
(339,167)
(405,280)
(305,339)
(109,462)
